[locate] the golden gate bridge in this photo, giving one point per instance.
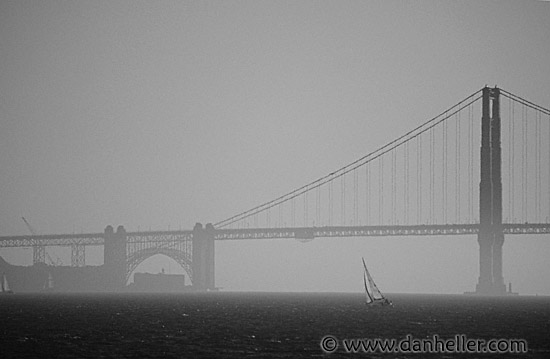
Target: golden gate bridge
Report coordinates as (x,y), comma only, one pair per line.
(451,175)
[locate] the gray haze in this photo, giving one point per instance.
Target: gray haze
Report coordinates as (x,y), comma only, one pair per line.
(159,114)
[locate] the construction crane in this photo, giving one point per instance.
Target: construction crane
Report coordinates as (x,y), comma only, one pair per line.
(57,262)
(33,232)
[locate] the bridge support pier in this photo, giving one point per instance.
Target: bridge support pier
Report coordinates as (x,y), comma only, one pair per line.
(203,257)
(115,259)
(498,280)
(485,280)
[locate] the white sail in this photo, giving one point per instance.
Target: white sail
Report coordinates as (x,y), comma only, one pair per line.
(372,292)
(367,293)
(48,284)
(5,286)
(50,281)
(374,289)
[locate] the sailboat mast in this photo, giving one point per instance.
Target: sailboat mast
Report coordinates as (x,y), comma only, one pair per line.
(369,297)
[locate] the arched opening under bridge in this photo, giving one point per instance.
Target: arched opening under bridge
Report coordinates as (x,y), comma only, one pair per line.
(159,260)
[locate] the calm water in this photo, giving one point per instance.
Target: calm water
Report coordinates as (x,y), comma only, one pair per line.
(237,325)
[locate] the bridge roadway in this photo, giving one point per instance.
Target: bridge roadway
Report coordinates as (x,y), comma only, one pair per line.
(304,233)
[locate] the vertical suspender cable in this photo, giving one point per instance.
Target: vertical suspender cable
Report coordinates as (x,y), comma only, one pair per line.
(380,189)
(293,212)
(367,191)
(539,144)
(537,139)
(510,160)
(524,165)
(470,184)
(343,200)
(471,174)
(457,169)
(330,200)
(306,208)
(392,215)
(281,225)
(318,207)
(432,219)
(512,166)
(418,180)
(355,198)
(406,189)
(445,145)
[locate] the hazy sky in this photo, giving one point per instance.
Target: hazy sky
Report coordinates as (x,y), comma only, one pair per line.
(160,114)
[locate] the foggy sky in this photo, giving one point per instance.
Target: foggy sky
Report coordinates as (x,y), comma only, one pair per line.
(160,114)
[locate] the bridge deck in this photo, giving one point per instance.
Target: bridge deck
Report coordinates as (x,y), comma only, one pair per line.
(374,231)
(307,233)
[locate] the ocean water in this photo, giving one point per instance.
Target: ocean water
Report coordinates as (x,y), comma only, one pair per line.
(256,325)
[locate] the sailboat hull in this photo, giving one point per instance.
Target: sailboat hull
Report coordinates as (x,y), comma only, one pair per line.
(379,303)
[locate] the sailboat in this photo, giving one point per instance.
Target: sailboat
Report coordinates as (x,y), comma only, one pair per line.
(372,293)
(5,287)
(48,285)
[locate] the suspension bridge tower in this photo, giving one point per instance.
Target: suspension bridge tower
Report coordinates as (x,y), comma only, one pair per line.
(490,236)
(203,257)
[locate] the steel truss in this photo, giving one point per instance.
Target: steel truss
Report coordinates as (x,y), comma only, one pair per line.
(169,239)
(176,245)
(373,231)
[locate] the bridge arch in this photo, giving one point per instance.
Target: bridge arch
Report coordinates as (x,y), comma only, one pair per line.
(136,258)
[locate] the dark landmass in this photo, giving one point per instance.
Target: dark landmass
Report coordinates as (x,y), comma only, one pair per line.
(41,277)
